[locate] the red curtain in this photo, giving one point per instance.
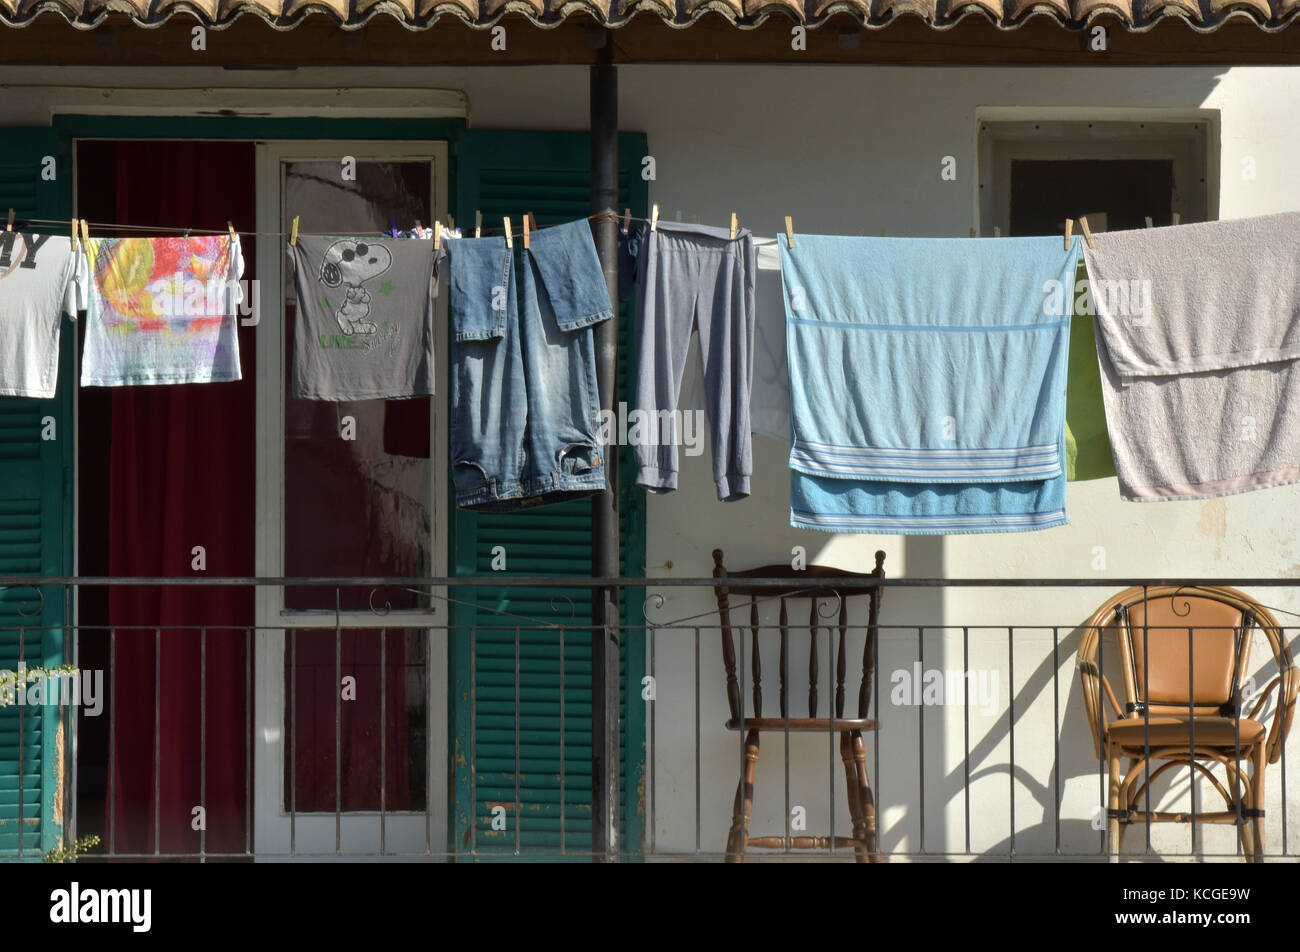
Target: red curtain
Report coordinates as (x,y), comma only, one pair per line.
(181,475)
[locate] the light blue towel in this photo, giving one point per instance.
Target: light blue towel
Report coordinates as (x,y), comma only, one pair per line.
(928,382)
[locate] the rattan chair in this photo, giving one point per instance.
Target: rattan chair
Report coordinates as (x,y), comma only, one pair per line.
(1195,643)
(815,584)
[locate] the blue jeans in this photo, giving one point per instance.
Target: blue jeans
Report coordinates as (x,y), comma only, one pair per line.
(525,427)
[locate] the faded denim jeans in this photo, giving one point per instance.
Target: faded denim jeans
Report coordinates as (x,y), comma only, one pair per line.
(525,427)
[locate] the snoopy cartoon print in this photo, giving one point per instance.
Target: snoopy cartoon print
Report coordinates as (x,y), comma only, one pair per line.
(350,263)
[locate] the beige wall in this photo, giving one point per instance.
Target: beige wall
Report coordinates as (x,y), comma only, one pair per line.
(844,149)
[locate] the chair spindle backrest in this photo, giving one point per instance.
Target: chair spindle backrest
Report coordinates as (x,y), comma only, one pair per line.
(815,583)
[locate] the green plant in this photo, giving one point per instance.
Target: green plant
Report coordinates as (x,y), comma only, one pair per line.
(67,854)
(11,682)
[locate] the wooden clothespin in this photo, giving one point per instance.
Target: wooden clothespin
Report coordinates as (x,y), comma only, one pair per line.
(437,235)
(1069,230)
(1150,224)
(233,239)
(293,232)
(527,231)
(1087,232)
(9,225)
(627,219)
(997,231)
(789,231)
(733,224)
(510,238)
(74,234)
(85,235)
(478,224)
(972,231)
(654,217)
(1176,217)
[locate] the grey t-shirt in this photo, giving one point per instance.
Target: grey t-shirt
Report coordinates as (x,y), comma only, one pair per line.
(364,325)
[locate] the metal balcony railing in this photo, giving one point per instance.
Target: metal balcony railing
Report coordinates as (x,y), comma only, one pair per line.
(453,719)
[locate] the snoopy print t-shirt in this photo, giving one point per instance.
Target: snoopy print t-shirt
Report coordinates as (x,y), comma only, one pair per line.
(364,325)
(41,278)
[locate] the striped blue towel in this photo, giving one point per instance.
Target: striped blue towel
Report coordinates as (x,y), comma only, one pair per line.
(927,382)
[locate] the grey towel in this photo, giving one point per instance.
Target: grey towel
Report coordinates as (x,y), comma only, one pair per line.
(1198,330)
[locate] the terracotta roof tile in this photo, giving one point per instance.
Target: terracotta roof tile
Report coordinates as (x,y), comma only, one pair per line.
(1270,15)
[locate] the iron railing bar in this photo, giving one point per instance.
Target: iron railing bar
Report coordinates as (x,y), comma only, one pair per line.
(112,740)
(1236,751)
(741,735)
(157,741)
(579,581)
(1146,711)
(920,726)
(1056,735)
(203,741)
(784,674)
(338,727)
(1011,731)
(518,804)
(293,741)
(1281,699)
(70,788)
(383,740)
(831,670)
(428,743)
(965,694)
(877,799)
(1102,743)
(564,800)
(654,718)
(21,686)
(248,746)
(473,742)
(1191,724)
(698,775)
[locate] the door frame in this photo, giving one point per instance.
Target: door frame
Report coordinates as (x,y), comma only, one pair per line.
(275,830)
(76,117)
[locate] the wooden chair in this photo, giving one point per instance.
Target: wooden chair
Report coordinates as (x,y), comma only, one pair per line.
(813,583)
(1188,712)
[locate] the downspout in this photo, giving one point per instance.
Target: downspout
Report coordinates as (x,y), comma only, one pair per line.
(605,759)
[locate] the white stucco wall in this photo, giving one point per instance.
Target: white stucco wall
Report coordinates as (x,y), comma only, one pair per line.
(844,149)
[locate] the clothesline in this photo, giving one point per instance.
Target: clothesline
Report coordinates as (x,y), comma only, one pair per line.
(608,215)
(605,216)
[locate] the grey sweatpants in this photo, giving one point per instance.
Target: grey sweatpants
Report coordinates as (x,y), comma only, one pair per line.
(696,277)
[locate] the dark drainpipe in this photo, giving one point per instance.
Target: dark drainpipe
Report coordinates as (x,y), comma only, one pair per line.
(605,758)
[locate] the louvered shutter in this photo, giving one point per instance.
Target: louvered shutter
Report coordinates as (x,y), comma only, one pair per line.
(35,530)
(504,173)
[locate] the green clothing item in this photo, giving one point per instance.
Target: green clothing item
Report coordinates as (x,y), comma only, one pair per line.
(1087,444)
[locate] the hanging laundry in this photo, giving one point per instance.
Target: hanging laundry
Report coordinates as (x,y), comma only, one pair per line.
(525,426)
(695,277)
(927,381)
(41,278)
(1087,443)
(630,243)
(1198,331)
(162,311)
(769,402)
(363,329)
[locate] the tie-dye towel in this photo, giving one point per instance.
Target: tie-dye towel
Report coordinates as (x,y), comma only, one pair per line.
(162,310)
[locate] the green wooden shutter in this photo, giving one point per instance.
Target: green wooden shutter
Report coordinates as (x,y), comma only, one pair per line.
(502,173)
(35,531)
